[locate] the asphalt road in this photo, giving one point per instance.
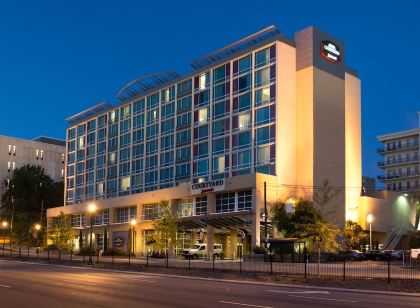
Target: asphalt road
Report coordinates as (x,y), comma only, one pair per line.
(43,285)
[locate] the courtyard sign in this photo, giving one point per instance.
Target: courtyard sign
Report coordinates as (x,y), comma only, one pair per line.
(200,188)
(330,51)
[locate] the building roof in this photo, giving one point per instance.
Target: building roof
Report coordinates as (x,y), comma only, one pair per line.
(49,140)
(90,112)
(401,134)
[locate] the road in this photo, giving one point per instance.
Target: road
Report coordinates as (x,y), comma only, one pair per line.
(42,285)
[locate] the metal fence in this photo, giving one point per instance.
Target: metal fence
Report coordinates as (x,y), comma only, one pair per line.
(406,269)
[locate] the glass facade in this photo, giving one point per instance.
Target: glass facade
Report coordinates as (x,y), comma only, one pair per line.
(216,124)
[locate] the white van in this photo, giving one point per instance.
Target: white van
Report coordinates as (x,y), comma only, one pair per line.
(199,251)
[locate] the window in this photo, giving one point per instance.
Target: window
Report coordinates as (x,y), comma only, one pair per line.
(184,103)
(220,109)
(166,175)
(183,137)
(121,215)
(262,57)
(219,92)
(152,131)
(138,121)
(151,162)
(13,166)
(167,142)
(241,159)
(218,146)
(184,207)
(166,158)
(245,200)
(203,167)
(201,206)
(138,136)
(219,74)
(244,82)
(244,121)
(264,134)
(151,211)
(262,155)
(244,64)
(262,96)
(167,126)
(168,110)
(203,149)
(203,115)
(264,115)
(183,153)
(183,120)
(203,81)
(152,100)
(219,164)
(262,76)
(244,101)
(125,140)
(225,203)
(71,133)
(152,116)
(125,183)
(220,127)
(125,112)
(241,140)
(183,170)
(184,87)
(138,106)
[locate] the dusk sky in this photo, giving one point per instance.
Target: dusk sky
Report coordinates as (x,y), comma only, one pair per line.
(58,59)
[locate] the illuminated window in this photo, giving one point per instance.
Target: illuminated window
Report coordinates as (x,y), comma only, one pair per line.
(203,115)
(62,173)
(262,96)
(263,155)
(14,150)
(244,121)
(42,154)
(125,183)
(62,158)
(13,166)
(203,81)
(81,143)
(9,164)
(10,149)
(219,164)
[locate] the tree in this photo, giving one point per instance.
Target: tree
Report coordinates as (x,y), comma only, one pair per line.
(415,240)
(61,233)
(30,192)
(354,235)
(165,228)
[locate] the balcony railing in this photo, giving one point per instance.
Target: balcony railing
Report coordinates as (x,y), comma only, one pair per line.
(407,146)
(415,159)
(397,176)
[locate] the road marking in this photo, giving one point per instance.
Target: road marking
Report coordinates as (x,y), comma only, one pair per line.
(299,292)
(141,280)
(81,282)
(241,304)
(4,286)
(325,299)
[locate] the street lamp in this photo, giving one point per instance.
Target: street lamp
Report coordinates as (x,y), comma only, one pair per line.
(133,224)
(37,229)
(92,211)
(369,219)
(4,225)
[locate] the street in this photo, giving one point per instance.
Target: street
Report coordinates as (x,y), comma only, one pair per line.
(43,285)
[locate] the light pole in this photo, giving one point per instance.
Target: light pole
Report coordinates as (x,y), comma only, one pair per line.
(133,224)
(37,229)
(92,210)
(369,219)
(4,225)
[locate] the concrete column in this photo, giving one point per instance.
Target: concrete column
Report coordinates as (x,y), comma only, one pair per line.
(233,243)
(211,208)
(172,243)
(225,245)
(257,201)
(210,241)
(138,241)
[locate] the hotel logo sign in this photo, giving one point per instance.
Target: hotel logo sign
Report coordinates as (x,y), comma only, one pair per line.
(200,188)
(330,52)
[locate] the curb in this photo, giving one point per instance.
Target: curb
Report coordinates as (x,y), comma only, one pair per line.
(297,286)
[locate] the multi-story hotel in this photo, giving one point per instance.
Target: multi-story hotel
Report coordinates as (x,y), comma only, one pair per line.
(49,153)
(266,109)
(401,160)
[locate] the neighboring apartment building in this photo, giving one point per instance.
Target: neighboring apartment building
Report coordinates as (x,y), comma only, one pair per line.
(46,152)
(266,109)
(401,160)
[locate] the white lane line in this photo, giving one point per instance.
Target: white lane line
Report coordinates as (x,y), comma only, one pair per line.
(4,286)
(324,299)
(141,280)
(241,304)
(81,282)
(299,292)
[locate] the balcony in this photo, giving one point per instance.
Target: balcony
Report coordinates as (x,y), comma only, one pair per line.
(396,162)
(407,146)
(402,175)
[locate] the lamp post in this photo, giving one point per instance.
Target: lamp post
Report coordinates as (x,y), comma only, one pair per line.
(37,229)
(369,219)
(4,225)
(92,210)
(133,223)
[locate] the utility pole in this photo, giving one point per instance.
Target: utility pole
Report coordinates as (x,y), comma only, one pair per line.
(265,213)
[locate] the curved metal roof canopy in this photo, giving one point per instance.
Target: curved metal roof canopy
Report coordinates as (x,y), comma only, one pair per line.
(145,84)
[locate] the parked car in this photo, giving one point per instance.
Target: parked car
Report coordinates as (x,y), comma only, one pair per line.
(377,255)
(351,255)
(199,251)
(396,255)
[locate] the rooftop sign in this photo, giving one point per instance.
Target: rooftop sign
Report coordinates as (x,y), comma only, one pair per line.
(330,52)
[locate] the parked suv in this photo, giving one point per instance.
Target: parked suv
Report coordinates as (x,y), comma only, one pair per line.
(199,251)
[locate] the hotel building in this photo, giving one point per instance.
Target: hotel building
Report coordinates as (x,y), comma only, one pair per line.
(49,153)
(401,160)
(265,109)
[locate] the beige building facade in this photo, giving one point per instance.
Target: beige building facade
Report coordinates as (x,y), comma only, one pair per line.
(266,109)
(49,153)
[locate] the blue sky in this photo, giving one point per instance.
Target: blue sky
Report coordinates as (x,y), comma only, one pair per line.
(58,58)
